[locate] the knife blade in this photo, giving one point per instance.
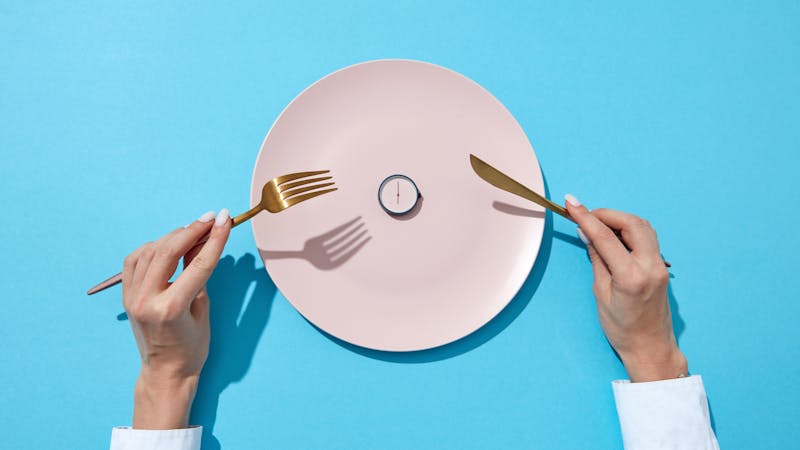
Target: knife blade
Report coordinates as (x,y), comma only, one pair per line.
(502,181)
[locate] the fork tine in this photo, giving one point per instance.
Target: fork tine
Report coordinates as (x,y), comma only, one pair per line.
(301,198)
(294,184)
(285,195)
(296,175)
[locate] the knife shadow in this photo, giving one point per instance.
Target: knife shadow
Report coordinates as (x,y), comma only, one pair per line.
(516,210)
(525,212)
(494,326)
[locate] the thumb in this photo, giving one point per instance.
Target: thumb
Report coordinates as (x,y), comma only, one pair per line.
(200,265)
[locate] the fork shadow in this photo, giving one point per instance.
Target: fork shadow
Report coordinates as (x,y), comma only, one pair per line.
(241,300)
(331,249)
(492,328)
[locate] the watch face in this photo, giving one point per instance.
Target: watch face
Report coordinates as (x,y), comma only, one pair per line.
(398,194)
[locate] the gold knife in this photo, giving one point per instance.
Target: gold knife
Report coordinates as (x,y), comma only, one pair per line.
(502,181)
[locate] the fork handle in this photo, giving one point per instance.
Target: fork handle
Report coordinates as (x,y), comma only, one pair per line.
(117,279)
(247,215)
(105,284)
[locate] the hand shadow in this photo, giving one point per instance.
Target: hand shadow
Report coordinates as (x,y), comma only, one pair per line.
(679,326)
(237,322)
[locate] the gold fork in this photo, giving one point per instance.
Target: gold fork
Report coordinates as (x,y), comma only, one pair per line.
(277,195)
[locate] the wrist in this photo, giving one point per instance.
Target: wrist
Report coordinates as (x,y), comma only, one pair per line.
(163,403)
(656,365)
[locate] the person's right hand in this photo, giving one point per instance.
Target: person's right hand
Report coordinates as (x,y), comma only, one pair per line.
(631,291)
(170,320)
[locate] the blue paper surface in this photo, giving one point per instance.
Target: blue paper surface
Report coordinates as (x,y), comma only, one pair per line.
(122,120)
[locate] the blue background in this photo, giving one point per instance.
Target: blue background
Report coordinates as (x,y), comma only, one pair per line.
(122,120)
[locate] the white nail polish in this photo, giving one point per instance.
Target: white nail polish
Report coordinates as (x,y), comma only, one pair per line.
(583,237)
(572,200)
(206,217)
(222,217)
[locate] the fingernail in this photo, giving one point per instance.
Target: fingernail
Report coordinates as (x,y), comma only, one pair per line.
(572,200)
(583,237)
(222,217)
(206,217)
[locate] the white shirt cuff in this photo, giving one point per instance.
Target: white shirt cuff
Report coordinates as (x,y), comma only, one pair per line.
(668,414)
(126,438)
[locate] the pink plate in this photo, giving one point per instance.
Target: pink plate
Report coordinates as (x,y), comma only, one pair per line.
(399,283)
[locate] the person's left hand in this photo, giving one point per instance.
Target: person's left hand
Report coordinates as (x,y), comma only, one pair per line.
(170,320)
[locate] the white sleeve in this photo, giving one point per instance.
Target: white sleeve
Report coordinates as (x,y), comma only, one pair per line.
(668,414)
(126,438)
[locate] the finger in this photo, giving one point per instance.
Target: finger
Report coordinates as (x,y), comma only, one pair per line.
(189,256)
(171,248)
(150,255)
(603,239)
(602,276)
(637,233)
(196,274)
(143,263)
(146,258)
(128,269)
